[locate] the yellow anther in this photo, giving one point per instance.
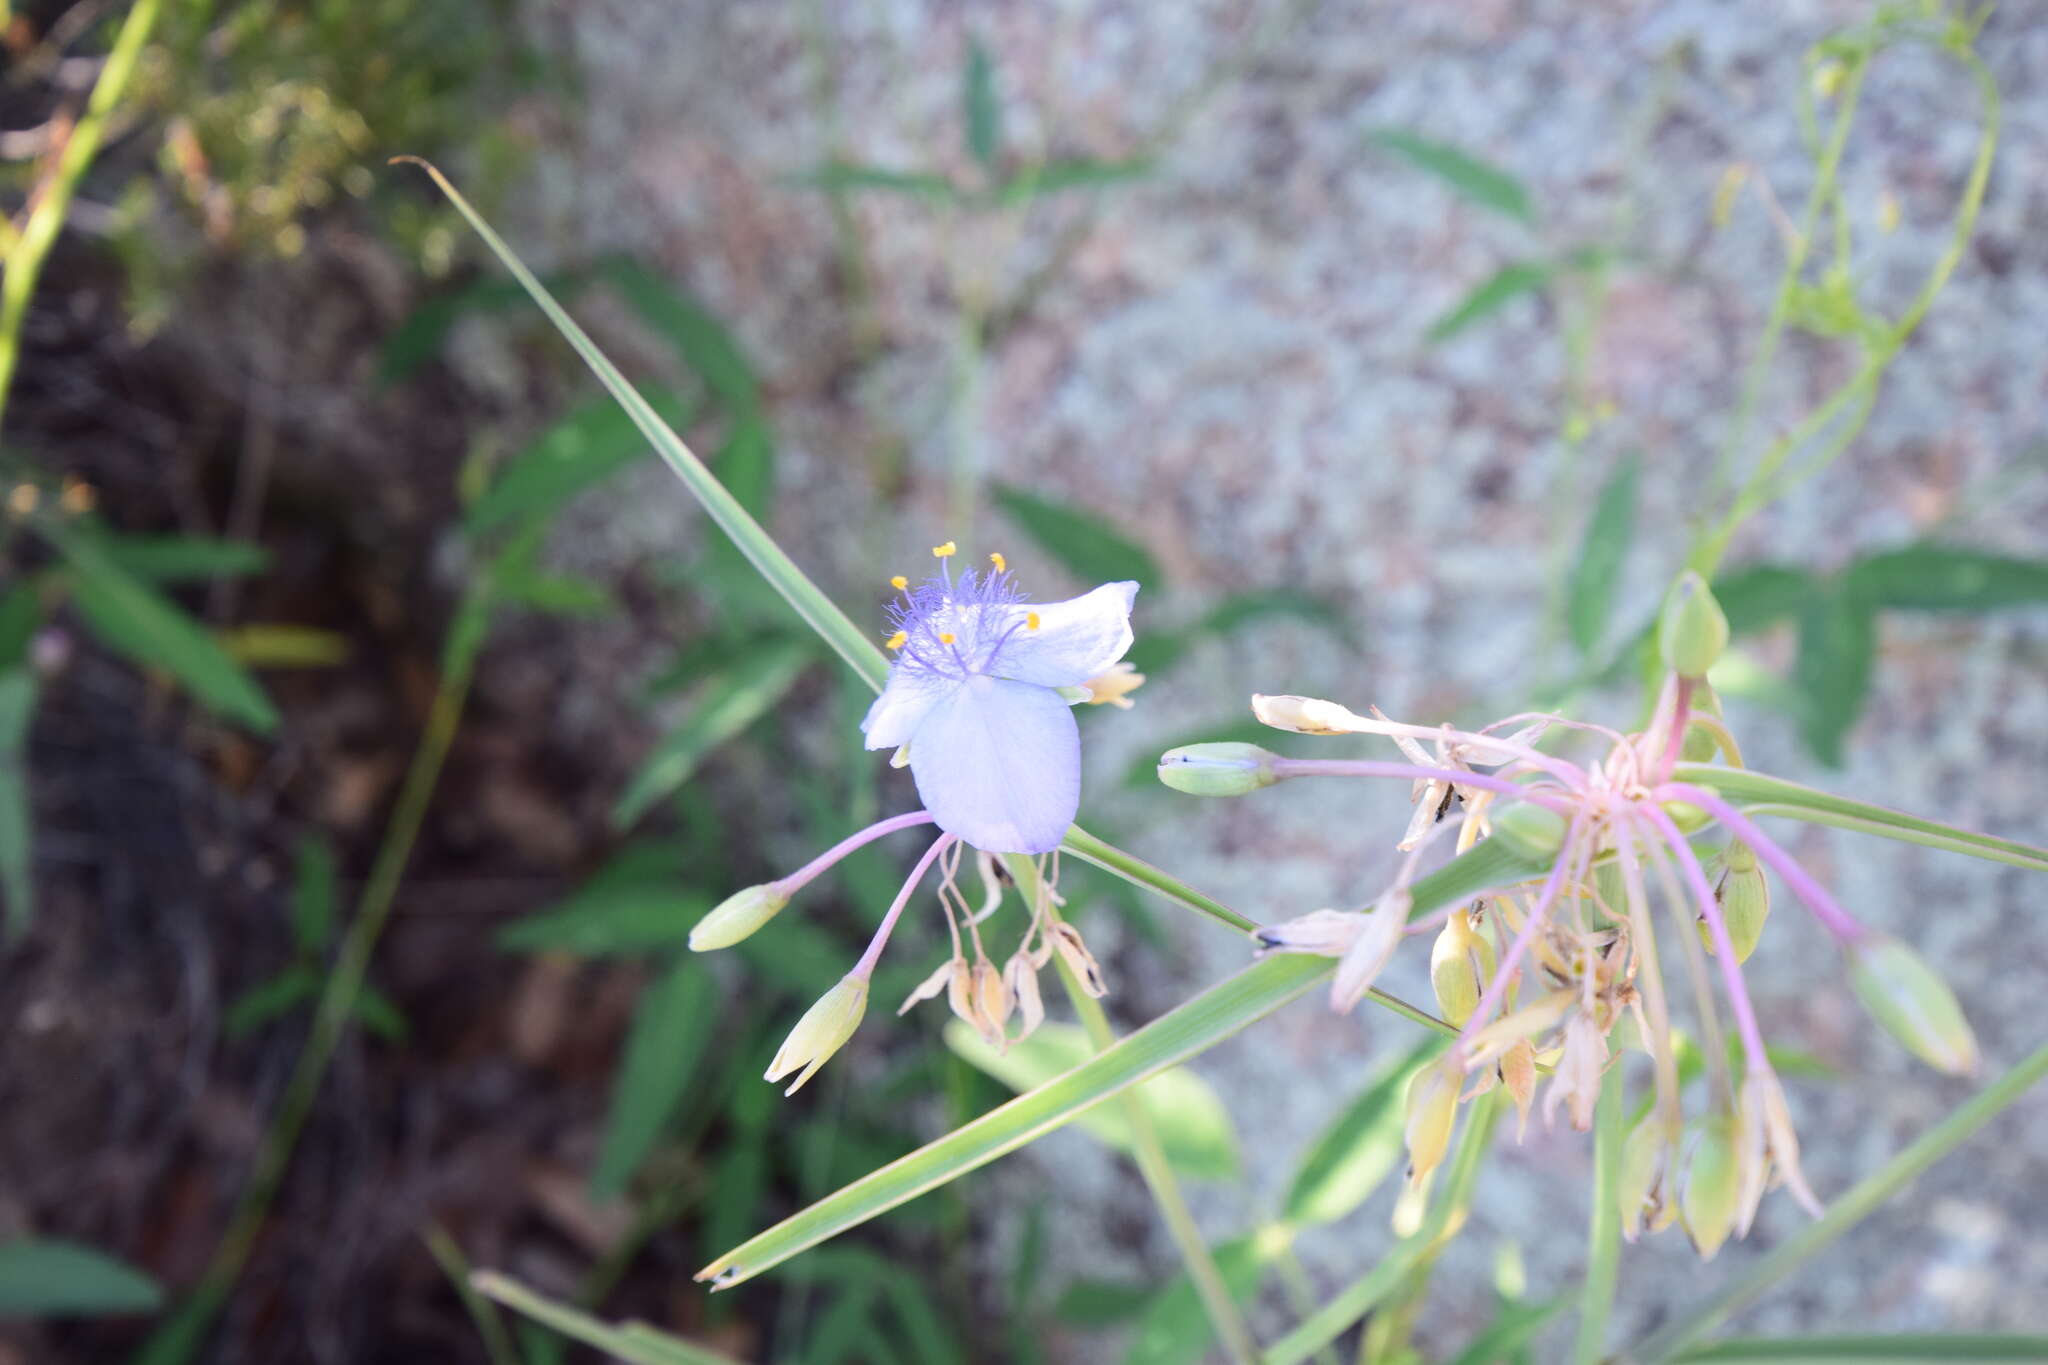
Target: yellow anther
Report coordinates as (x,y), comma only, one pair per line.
(899,582)
(946,551)
(896,641)
(1002,565)
(1031,620)
(947,638)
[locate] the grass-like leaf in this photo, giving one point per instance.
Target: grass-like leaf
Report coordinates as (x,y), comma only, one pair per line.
(634,1342)
(313,881)
(1194,1126)
(270,999)
(1360,1148)
(1186,1031)
(840,176)
(1085,545)
(1837,648)
(627,913)
(182,559)
(1173,1330)
(1760,794)
(54,1279)
(1949,578)
(735,698)
(583,449)
(1489,296)
(1902,1349)
(135,620)
(671,1025)
(17,886)
(1059,177)
(983,107)
(1512,1328)
(1478,181)
(1589,597)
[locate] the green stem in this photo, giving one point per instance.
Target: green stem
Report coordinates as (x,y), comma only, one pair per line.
(1851,1208)
(1334,1318)
(1603,1236)
(25,254)
(490,1324)
(1300,1291)
(186,1330)
(1224,1317)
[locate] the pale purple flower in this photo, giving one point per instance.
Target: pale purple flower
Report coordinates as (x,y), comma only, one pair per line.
(975,692)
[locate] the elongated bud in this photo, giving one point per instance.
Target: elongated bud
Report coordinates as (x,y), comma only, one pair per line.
(992,1002)
(1217,769)
(1534,832)
(1693,630)
(1639,1185)
(1411,1205)
(1432,1113)
(1326,933)
(822,1031)
(1518,1074)
(1738,857)
(1745,904)
(737,916)
(1461,962)
(1713,1186)
(1379,934)
(1066,941)
(1914,1005)
(1307,716)
(1527,1023)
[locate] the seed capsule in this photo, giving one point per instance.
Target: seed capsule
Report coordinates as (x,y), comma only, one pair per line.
(1432,1113)
(1913,1004)
(1461,962)
(1745,904)
(1713,1186)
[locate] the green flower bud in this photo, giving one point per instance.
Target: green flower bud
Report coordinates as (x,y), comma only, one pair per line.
(1713,1186)
(1745,905)
(737,916)
(1738,857)
(1639,1184)
(1461,962)
(822,1031)
(1688,817)
(1534,832)
(1692,630)
(1700,746)
(1217,769)
(1913,1004)
(1432,1113)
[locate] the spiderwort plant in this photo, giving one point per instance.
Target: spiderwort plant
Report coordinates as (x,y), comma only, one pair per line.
(1543,977)
(978,704)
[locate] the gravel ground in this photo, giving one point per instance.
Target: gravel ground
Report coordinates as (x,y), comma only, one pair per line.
(1232,366)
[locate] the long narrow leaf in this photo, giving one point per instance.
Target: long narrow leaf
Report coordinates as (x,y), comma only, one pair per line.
(17,887)
(583,449)
(1905,1349)
(1764,795)
(1489,296)
(733,700)
(1358,1150)
(670,1028)
(1194,1027)
(633,1341)
(1590,596)
(48,1278)
(1483,184)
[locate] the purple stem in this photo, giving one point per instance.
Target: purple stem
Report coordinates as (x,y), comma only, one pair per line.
(1676,741)
(1497,989)
(866,966)
(1825,907)
(1724,947)
(802,877)
(1365,767)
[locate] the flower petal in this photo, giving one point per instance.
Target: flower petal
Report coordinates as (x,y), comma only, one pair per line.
(999,765)
(905,701)
(1075,640)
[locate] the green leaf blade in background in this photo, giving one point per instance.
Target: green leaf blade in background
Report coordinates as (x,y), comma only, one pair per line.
(1488,297)
(1513,1327)
(1194,1126)
(1837,649)
(1477,181)
(983,107)
(138,622)
(633,906)
(1898,1349)
(671,1025)
(1589,596)
(1932,577)
(44,1278)
(270,999)
(313,888)
(181,559)
(840,176)
(699,337)
(582,450)
(1173,1329)
(1084,544)
(733,699)
(1758,596)
(1359,1149)
(17,837)
(634,1342)
(1080,173)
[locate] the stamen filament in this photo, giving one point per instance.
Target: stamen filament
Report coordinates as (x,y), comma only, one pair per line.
(1366,767)
(1724,948)
(1825,907)
(797,880)
(865,968)
(1489,1000)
